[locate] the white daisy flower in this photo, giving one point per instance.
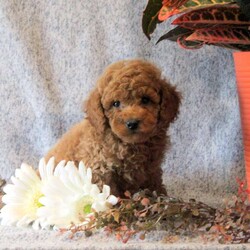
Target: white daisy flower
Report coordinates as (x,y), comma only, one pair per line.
(70,197)
(21,198)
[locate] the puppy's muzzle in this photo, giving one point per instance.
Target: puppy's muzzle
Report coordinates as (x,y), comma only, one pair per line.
(132,124)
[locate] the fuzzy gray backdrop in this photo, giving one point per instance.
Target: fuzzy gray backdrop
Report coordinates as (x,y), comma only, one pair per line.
(52,52)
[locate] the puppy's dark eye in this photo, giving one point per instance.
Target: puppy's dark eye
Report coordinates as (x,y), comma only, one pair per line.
(116,104)
(145,100)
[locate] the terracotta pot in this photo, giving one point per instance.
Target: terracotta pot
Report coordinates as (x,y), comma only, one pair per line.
(242,70)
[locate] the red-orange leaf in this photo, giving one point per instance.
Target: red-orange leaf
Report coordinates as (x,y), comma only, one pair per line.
(212,17)
(127,194)
(169,10)
(221,35)
(173,3)
(145,202)
(166,12)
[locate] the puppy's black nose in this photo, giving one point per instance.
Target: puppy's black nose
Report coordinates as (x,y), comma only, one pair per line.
(132,124)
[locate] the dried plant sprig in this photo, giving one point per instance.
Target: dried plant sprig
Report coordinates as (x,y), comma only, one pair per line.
(233,222)
(146,211)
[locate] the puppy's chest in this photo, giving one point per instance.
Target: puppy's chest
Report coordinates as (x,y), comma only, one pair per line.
(126,158)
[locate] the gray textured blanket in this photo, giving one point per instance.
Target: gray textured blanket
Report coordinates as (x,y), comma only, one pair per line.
(16,238)
(52,51)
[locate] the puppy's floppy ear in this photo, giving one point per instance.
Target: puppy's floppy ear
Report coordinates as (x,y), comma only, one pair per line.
(95,113)
(170,103)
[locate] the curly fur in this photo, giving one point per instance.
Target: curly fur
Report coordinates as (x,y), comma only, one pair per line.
(120,157)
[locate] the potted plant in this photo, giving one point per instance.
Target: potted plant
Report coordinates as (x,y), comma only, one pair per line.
(224,23)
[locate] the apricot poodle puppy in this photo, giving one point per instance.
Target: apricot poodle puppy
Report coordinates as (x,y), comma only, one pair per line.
(124,136)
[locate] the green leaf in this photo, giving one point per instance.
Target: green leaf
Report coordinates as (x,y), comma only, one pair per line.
(221,35)
(167,12)
(213,17)
(150,17)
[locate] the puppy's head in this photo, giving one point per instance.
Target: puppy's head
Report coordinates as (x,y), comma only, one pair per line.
(133,100)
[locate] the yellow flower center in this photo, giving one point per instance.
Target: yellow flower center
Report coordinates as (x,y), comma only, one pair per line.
(84,205)
(33,200)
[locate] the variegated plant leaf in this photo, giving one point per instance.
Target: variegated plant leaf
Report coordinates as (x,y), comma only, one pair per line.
(183,43)
(241,47)
(166,12)
(221,35)
(213,17)
(179,35)
(174,3)
(175,33)
(150,17)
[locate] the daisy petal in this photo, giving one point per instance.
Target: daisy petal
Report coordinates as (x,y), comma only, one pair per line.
(61,196)
(112,200)
(42,168)
(106,191)
(59,168)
